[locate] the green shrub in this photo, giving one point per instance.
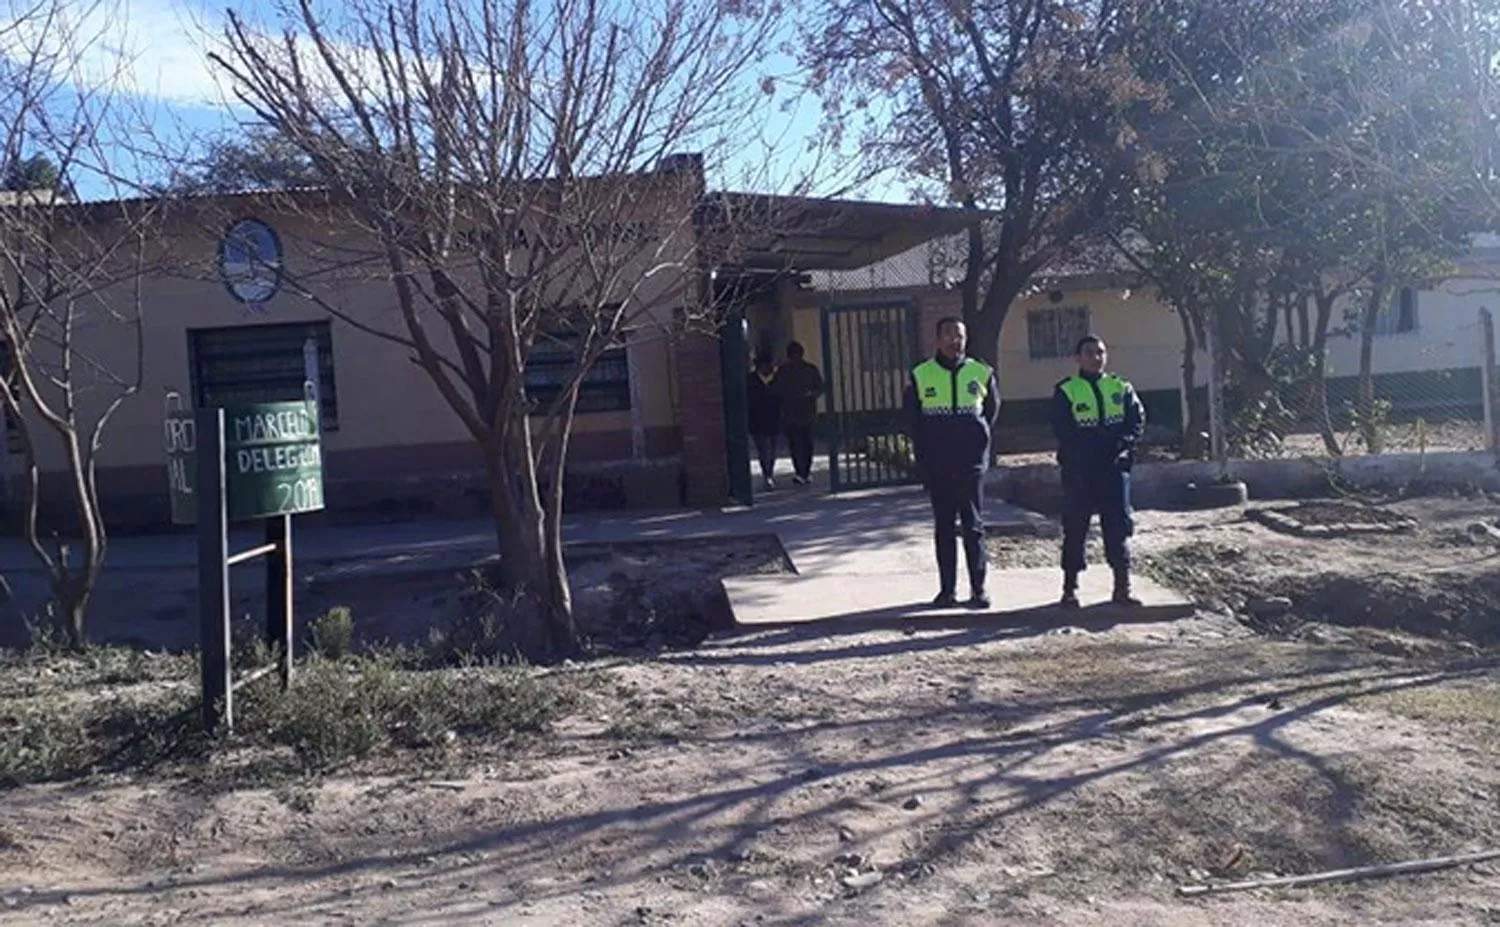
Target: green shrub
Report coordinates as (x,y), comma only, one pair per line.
(340,711)
(120,710)
(332,634)
(43,740)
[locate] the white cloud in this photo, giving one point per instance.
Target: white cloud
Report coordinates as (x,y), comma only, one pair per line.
(158,50)
(155,49)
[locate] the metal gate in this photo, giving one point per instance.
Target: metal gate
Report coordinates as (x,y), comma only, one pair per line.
(868,352)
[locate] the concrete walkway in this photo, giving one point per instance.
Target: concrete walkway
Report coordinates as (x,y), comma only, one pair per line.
(806,518)
(856,554)
(869,556)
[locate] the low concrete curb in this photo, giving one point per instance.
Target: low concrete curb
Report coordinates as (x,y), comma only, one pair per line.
(1160,485)
(1281,521)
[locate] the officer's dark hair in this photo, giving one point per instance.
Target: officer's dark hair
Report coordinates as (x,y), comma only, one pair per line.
(794,349)
(947,320)
(1084,342)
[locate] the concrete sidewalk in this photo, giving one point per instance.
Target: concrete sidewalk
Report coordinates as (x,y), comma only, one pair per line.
(858,553)
(869,556)
(817,525)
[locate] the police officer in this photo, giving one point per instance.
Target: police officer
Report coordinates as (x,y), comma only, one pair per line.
(1098,420)
(953,400)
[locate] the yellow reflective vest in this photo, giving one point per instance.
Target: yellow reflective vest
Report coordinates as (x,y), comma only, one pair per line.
(1084,402)
(941,391)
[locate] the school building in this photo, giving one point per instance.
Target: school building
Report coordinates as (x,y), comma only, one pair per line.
(661,418)
(228,316)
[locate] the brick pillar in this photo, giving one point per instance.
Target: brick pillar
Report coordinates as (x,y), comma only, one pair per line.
(700,413)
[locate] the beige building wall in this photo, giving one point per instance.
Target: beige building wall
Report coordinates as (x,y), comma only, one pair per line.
(1143,334)
(391,417)
(1446,337)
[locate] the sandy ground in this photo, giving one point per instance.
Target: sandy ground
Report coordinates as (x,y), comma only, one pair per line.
(962,773)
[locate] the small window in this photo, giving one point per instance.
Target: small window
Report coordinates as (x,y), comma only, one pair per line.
(1054,332)
(262,363)
(13,442)
(1398,316)
(605,388)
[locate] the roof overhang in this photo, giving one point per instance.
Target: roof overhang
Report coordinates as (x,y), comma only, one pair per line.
(764,232)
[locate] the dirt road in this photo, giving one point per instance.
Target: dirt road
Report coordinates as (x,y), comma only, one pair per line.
(971,773)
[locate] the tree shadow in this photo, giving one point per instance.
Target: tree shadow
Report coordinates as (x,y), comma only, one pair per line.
(1013,761)
(921,632)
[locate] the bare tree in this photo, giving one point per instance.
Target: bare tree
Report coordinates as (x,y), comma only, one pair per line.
(1015,110)
(518,169)
(64,266)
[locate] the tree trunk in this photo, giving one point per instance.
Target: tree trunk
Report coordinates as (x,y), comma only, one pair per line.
(560,616)
(984,336)
(523,575)
(75,589)
(74,605)
(988,319)
(1320,375)
(1195,425)
(1368,426)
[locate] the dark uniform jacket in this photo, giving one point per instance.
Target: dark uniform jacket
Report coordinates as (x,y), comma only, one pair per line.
(957,443)
(1086,450)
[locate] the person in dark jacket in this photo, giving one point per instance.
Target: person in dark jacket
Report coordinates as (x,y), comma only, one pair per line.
(765,415)
(953,401)
(799,384)
(1098,421)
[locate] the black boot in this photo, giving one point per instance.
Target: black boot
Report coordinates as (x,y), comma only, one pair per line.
(1070,591)
(1122,594)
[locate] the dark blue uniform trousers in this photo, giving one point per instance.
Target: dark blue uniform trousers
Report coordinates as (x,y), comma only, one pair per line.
(1105,493)
(957,501)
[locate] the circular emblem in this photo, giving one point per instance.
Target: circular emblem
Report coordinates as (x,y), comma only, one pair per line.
(250,262)
(973,387)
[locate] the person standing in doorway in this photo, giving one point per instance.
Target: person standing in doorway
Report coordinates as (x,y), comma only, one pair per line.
(799,384)
(1098,421)
(953,401)
(765,415)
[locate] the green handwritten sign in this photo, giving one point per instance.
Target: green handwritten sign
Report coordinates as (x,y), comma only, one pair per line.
(273,461)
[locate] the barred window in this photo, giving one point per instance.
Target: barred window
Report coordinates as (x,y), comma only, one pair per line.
(13,442)
(605,388)
(1054,331)
(262,363)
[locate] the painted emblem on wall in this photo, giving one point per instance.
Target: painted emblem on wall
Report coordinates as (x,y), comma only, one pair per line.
(250,262)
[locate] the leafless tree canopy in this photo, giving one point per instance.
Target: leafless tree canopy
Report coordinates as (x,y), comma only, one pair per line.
(64,267)
(521,171)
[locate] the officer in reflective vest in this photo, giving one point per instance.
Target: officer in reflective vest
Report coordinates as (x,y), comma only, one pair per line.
(953,400)
(1098,420)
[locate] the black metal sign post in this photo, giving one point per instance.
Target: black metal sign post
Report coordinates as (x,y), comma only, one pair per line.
(249,462)
(279,592)
(213,570)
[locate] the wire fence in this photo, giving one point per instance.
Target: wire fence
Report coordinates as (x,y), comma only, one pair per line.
(1424,390)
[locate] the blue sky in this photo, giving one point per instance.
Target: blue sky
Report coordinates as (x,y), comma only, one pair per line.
(168,84)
